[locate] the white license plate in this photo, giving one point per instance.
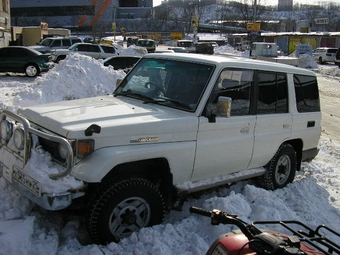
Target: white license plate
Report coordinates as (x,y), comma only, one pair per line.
(27,181)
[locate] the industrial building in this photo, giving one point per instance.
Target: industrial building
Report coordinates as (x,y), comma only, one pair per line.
(80,15)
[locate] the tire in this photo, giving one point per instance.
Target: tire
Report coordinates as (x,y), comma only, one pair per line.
(59,58)
(280,170)
(320,60)
(112,209)
(31,70)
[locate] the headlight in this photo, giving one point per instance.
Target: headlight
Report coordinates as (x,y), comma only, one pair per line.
(63,151)
(19,138)
(6,130)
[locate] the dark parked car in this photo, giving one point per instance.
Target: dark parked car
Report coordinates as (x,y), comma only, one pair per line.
(204,47)
(21,59)
(121,62)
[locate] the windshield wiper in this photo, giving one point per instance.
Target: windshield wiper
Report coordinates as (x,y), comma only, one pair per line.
(134,95)
(175,102)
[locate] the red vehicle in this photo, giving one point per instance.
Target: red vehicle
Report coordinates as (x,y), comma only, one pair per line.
(250,239)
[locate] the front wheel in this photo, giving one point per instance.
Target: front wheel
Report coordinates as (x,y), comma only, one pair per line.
(280,170)
(119,208)
(31,70)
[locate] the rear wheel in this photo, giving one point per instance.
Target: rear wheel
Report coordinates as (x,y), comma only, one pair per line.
(280,170)
(119,208)
(31,70)
(320,60)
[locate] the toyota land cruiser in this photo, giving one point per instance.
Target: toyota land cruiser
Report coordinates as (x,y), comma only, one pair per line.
(176,124)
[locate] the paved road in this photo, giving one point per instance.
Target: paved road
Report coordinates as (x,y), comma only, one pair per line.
(330,107)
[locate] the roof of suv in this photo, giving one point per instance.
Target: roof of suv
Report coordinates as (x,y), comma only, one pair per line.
(236,62)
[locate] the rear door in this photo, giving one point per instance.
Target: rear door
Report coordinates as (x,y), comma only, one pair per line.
(273,119)
(94,51)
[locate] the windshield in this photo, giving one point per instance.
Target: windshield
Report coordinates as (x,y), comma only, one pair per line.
(146,43)
(171,83)
(46,42)
(185,44)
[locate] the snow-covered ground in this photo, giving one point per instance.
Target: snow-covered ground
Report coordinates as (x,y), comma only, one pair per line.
(24,229)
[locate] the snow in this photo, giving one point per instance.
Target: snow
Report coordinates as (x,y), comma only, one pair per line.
(312,198)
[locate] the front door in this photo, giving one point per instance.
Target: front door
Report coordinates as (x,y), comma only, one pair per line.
(226,145)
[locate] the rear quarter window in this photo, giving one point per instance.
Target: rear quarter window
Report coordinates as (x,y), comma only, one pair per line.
(306,93)
(108,49)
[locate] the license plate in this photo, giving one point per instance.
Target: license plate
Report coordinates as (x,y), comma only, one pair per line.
(27,181)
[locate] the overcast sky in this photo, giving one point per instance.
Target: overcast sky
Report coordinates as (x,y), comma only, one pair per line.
(269,2)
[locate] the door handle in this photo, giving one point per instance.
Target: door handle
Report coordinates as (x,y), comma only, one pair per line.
(244,130)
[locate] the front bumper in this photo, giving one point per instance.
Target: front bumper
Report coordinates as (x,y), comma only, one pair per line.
(47,66)
(50,193)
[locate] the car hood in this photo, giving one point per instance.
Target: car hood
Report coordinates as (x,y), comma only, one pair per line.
(64,51)
(116,116)
(39,47)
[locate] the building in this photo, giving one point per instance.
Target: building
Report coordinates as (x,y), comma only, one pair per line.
(77,15)
(5,23)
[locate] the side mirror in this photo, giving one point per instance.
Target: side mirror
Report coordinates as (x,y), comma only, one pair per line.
(220,109)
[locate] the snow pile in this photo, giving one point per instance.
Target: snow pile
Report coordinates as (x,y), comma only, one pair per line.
(78,76)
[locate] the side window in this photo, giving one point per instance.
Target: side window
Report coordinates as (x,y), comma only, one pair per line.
(108,49)
(56,43)
(272,93)
(83,47)
(17,53)
(66,42)
(75,40)
(306,93)
(236,84)
(94,48)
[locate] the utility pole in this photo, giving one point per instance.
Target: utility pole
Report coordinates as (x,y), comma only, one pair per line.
(255,11)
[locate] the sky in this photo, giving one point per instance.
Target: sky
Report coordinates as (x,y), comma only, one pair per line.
(269,2)
(313,197)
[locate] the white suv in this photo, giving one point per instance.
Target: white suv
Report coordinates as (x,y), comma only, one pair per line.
(51,43)
(324,54)
(176,124)
(97,51)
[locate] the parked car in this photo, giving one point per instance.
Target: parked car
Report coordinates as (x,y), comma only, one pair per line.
(121,62)
(132,40)
(189,45)
(51,43)
(21,59)
(178,49)
(324,54)
(337,57)
(176,124)
(204,48)
(97,51)
(149,44)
